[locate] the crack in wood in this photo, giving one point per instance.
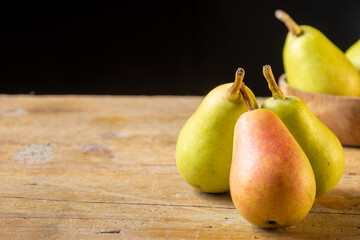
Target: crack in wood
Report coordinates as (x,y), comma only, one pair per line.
(207,226)
(77,218)
(178,205)
(112,231)
(158,204)
(122,203)
(337,213)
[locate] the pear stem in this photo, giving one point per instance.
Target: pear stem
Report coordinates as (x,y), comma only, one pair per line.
(244,93)
(235,87)
(274,88)
(293,27)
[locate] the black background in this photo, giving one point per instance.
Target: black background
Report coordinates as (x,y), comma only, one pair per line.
(154,47)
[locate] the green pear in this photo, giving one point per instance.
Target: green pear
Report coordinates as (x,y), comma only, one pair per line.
(353,53)
(204,146)
(272,184)
(314,64)
(320,145)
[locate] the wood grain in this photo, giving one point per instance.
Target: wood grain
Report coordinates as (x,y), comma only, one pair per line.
(341,114)
(103,167)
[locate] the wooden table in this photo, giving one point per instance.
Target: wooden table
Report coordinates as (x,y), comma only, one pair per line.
(103,167)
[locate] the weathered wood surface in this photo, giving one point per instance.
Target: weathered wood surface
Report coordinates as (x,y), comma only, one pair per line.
(101,167)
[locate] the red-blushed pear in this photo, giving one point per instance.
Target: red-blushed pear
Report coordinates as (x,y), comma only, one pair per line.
(204,146)
(272,184)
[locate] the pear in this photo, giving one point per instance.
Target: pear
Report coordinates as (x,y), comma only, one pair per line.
(204,146)
(320,145)
(272,184)
(353,53)
(314,64)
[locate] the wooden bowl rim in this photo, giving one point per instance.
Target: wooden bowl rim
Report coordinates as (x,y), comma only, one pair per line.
(283,81)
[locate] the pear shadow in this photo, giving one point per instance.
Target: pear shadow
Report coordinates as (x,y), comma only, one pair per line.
(223,199)
(351,146)
(339,200)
